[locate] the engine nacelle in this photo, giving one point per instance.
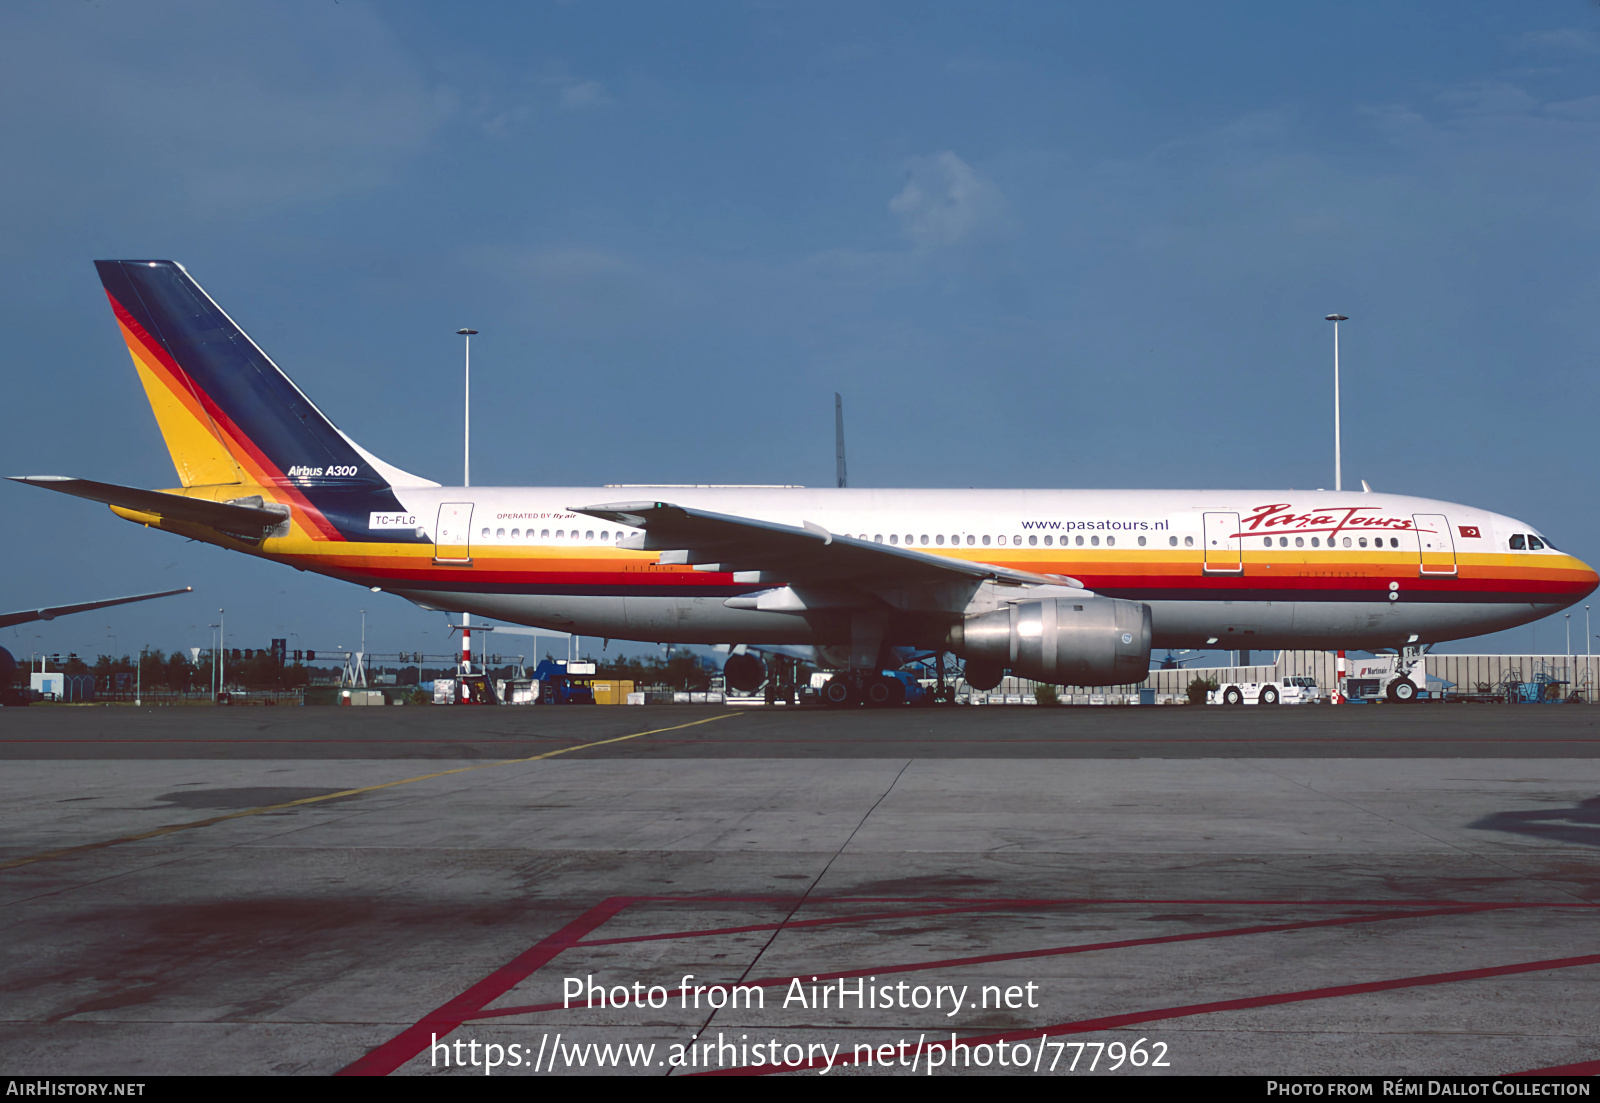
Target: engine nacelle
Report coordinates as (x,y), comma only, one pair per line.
(1092,641)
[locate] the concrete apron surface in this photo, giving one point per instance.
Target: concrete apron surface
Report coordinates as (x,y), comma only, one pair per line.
(1243,916)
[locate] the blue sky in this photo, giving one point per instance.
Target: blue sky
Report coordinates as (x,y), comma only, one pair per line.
(1033,244)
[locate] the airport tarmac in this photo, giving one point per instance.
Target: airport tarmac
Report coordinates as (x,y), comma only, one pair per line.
(1249,891)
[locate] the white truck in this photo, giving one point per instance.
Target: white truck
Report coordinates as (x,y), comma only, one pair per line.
(1296,690)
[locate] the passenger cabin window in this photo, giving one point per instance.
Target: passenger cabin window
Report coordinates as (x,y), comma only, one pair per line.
(1172,541)
(1095,540)
(1141,541)
(1034,541)
(1519,542)
(1188,541)
(1110,541)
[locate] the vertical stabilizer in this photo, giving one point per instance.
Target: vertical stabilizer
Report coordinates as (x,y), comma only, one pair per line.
(226,411)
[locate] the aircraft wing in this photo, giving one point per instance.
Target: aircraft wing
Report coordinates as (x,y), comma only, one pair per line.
(52,612)
(222,516)
(765,551)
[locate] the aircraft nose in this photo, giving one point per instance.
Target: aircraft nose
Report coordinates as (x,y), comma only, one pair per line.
(1588,577)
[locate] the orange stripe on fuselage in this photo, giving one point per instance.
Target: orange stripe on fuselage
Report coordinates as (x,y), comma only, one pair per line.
(245,454)
(601,566)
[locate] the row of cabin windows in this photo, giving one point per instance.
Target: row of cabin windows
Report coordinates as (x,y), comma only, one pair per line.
(606,535)
(1316,542)
(1519,542)
(1015,541)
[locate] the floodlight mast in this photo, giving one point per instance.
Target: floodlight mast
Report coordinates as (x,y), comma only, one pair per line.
(466,405)
(466,481)
(1338,462)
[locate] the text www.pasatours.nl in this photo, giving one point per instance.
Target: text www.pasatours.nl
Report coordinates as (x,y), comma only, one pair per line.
(921,1054)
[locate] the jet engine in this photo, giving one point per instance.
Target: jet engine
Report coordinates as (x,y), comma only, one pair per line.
(743,673)
(1090,641)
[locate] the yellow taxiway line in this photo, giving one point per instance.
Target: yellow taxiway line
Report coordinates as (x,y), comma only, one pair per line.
(176,827)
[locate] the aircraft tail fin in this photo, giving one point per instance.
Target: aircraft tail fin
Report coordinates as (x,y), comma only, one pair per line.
(227,412)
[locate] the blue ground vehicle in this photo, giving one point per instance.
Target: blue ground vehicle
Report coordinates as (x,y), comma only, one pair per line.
(563,683)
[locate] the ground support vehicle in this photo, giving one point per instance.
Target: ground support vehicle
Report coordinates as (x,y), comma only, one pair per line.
(564,683)
(1296,690)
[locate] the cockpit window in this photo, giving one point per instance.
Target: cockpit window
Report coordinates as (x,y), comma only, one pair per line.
(1534,543)
(1519,542)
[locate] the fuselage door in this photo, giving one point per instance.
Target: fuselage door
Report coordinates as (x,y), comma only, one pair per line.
(452,538)
(1222,543)
(1437,546)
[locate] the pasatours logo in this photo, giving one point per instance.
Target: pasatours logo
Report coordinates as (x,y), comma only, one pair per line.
(1281,516)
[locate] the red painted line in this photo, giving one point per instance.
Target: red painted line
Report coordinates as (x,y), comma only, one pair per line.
(1112,1022)
(1052,951)
(994,905)
(1583,1068)
(414,1039)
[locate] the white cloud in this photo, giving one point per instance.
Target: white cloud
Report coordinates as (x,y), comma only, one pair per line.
(946,202)
(1570,40)
(578,95)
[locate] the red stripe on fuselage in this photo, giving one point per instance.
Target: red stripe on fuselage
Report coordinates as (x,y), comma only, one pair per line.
(487,572)
(265,472)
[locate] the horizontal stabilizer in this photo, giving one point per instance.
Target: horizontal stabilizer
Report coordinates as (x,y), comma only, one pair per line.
(52,612)
(223,516)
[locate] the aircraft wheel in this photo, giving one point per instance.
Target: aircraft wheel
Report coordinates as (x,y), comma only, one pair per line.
(880,692)
(883,693)
(839,693)
(1233,696)
(1403,691)
(1269,696)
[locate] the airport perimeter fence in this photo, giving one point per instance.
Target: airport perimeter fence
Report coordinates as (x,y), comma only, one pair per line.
(1454,674)
(168,697)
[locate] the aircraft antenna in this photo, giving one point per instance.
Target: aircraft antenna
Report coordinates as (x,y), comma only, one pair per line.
(838,435)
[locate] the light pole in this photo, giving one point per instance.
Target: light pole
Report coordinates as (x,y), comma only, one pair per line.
(466,403)
(1569,648)
(222,652)
(1338,460)
(215,652)
(466,481)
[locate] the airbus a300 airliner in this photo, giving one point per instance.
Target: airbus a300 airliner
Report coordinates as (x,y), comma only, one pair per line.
(1062,586)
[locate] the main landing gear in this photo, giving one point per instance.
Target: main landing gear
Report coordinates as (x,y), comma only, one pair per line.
(876,691)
